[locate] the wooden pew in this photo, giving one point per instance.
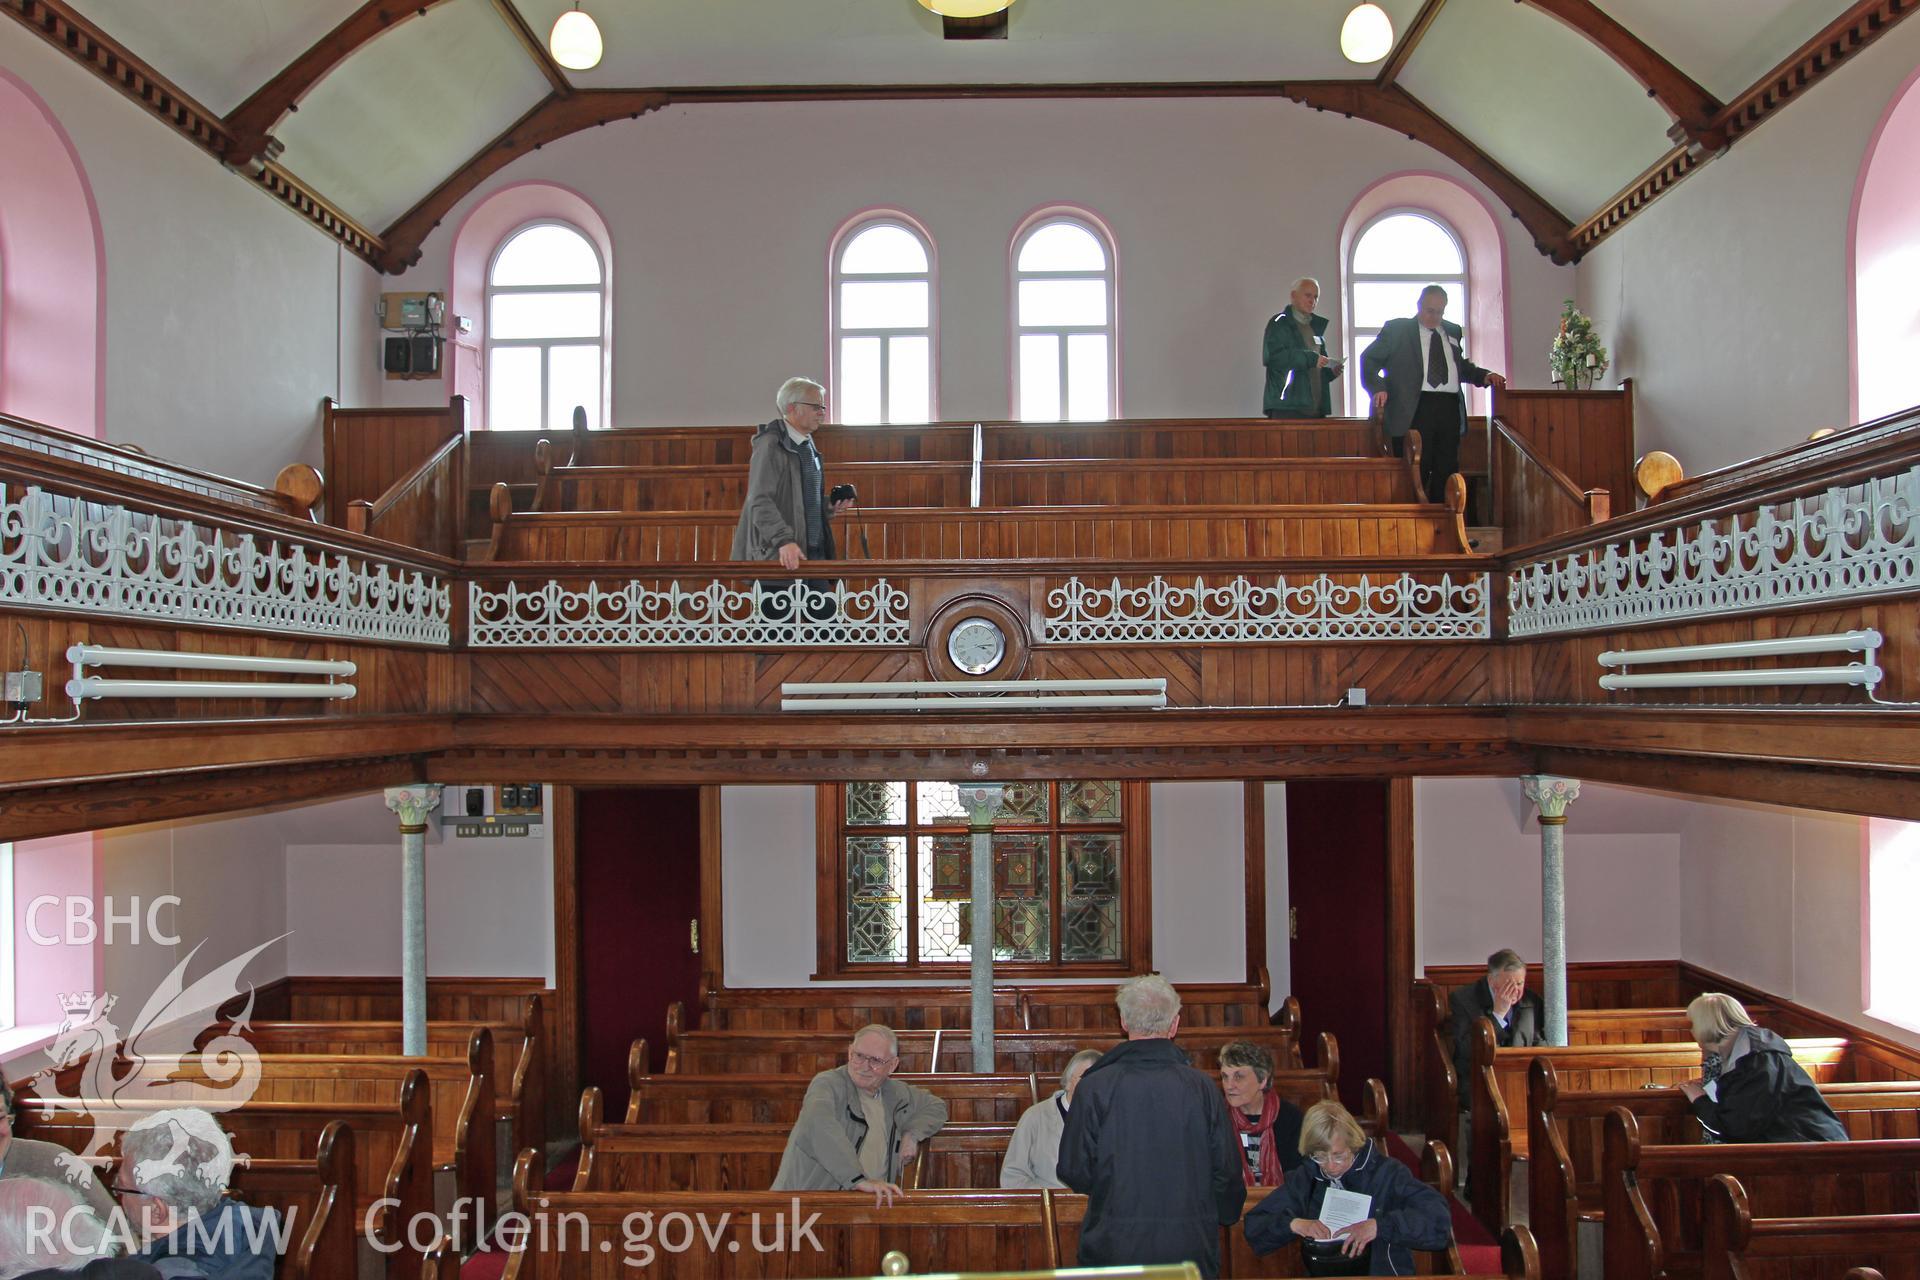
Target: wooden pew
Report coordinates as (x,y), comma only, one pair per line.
(1499,1088)
(461,1109)
(1172,482)
(709,446)
(1182,438)
(317,1197)
(603,1235)
(1015,533)
(1040,1053)
(1739,1246)
(735,1098)
(392,1168)
(1073,1007)
(1653,1194)
(518,1068)
(724,488)
(1566,1142)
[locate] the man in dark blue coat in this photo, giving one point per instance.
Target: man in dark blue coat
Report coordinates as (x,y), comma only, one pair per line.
(1148,1142)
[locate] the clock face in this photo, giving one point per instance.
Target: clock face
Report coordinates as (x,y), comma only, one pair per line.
(976,646)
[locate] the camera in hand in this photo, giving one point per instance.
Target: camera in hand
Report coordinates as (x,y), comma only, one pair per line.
(842,493)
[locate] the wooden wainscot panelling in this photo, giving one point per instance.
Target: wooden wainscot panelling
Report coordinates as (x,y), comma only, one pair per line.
(368,450)
(1586,435)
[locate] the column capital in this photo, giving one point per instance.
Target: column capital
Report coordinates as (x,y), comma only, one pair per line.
(413,804)
(981,799)
(1551,795)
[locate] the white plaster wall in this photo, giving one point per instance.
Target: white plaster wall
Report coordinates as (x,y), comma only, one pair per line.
(1726,299)
(222,316)
(721,219)
(1477,868)
(229,875)
(489,901)
(1199,881)
(767,884)
(1279,945)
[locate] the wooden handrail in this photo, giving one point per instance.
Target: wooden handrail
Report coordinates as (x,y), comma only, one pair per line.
(135,463)
(1810,459)
(1553,504)
(378,518)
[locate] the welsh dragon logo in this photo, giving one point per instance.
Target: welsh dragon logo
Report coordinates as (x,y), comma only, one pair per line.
(121,1078)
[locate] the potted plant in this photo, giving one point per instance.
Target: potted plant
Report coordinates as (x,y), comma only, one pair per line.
(1579,357)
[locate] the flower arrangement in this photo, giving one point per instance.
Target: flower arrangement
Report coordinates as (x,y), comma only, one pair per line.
(1579,358)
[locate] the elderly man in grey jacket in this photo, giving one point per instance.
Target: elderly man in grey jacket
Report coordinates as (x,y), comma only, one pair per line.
(786,515)
(1034,1151)
(858,1126)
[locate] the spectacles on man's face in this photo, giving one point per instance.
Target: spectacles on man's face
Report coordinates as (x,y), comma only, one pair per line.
(808,404)
(870,1062)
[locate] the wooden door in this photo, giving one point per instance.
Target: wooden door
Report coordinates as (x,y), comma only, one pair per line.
(639,866)
(1337,888)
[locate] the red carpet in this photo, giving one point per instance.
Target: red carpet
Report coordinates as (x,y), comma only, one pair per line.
(491,1264)
(1479,1252)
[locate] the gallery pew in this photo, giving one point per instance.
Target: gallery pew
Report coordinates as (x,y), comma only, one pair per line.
(1740,1246)
(1499,1092)
(1653,1194)
(1567,1142)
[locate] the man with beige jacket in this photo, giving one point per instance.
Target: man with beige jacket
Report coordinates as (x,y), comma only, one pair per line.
(857,1126)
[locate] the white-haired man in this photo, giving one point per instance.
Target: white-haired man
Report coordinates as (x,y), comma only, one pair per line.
(172,1185)
(49,1231)
(1148,1142)
(1300,373)
(858,1126)
(786,516)
(1033,1153)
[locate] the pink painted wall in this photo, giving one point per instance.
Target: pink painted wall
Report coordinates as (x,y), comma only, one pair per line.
(53,284)
(1727,300)
(721,218)
(60,867)
(1885,274)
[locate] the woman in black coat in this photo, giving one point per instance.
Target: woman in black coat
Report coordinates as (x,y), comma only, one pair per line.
(1760,1094)
(1405,1213)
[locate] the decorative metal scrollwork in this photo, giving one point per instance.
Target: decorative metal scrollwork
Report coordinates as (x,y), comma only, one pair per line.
(1242,611)
(716,615)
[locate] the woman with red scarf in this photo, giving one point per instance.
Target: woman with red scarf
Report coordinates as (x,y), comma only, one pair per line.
(1267,1126)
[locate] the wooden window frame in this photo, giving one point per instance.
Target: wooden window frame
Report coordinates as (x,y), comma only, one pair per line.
(1136,902)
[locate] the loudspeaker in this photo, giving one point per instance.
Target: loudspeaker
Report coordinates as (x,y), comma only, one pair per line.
(426,354)
(476,802)
(398,357)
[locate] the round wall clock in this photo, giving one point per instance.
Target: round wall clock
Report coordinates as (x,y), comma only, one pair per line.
(976,645)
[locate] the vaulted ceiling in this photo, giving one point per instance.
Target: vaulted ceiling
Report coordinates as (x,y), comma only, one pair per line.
(1575,112)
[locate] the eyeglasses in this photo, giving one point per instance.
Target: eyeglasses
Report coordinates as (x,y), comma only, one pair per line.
(870,1062)
(808,404)
(1326,1158)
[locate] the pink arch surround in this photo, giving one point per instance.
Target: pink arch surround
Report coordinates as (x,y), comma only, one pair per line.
(1883,264)
(53,274)
(1473,220)
(480,234)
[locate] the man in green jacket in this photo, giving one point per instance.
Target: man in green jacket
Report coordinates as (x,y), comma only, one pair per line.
(857,1126)
(1300,374)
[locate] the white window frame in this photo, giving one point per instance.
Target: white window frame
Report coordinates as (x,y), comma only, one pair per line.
(1456,284)
(1111,329)
(837,329)
(545,344)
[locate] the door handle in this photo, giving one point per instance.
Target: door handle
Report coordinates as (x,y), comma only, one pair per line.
(693,935)
(1293,924)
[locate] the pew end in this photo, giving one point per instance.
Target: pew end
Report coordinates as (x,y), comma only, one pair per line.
(302,487)
(1436,1167)
(1374,1113)
(1287,1017)
(676,1021)
(591,1114)
(1519,1257)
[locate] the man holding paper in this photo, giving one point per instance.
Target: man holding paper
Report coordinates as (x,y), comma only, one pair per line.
(1355,1209)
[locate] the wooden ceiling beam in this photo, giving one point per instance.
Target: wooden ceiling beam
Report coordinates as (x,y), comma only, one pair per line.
(536,47)
(1403,52)
(1692,109)
(251,123)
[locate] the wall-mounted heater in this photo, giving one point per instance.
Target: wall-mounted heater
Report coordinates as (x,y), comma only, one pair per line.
(974,695)
(1866,673)
(84,686)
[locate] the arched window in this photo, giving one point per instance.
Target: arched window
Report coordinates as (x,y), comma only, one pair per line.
(1884,249)
(546,329)
(1393,258)
(1065,359)
(883,323)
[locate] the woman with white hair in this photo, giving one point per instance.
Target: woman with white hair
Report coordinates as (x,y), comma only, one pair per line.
(1760,1093)
(174,1167)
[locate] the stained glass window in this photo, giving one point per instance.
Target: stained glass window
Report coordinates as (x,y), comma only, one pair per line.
(1057,882)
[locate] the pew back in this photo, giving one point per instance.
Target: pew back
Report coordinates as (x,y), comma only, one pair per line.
(1041,1053)
(1064,1007)
(733,1098)
(1739,1246)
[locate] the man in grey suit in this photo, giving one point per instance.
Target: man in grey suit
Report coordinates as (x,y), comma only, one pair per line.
(1416,370)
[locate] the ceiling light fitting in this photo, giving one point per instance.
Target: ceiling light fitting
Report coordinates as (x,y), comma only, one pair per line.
(965,8)
(1367,34)
(575,41)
